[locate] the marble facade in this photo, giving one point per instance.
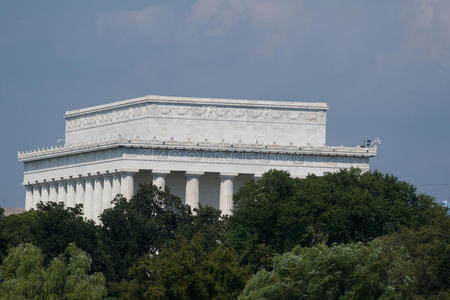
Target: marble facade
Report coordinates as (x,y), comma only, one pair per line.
(203,149)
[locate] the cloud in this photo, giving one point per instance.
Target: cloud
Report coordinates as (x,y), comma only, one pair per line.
(426,35)
(153,21)
(431,32)
(272,22)
(273,27)
(220,16)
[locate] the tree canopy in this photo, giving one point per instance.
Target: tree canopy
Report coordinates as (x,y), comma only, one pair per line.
(351,271)
(348,206)
(343,235)
(24,275)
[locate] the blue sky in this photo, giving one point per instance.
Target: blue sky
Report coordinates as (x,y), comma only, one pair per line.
(382,66)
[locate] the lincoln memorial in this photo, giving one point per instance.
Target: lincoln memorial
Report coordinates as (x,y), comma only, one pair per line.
(202,149)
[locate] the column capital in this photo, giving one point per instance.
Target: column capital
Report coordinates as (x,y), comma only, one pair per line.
(128,171)
(228,174)
(98,175)
(257,176)
(194,174)
(160,172)
(89,179)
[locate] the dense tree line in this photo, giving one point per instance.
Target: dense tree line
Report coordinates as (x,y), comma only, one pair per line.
(347,235)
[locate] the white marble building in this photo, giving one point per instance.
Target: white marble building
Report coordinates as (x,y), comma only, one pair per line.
(203,149)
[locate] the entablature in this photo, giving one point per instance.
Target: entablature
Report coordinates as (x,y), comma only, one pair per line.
(57,151)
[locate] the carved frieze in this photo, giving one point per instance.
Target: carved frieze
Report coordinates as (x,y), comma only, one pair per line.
(205,112)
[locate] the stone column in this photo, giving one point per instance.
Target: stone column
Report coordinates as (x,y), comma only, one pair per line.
(116,189)
(192,189)
(44,192)
(107,196)
(88,197)
(62,192)
(159,179)
(127,184)
(97,198)
(28,197)
(79,194)
(226,193)
(70,193)
(53,194)
(36,195)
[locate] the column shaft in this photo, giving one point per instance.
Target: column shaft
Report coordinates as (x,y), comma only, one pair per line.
(44,192)
(70,195)
(107,196)
(127,184)
(28,197)
(53,195)
(192,190)
(79,194)
(88,197)
(97,198)
(116,189)
(36,195)
(62,192)
(226,194)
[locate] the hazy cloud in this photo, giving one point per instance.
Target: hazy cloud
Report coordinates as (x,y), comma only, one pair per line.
(273,22)
(283,25)
(426,34)
(154,21)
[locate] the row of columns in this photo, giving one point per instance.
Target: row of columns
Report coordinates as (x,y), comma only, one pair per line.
(193,188)
(97,191)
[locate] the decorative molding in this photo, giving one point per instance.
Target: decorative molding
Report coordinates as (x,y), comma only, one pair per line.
(191,101)
(197,112)
(40,154)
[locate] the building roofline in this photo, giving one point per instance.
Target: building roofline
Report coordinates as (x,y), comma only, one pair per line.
(199,101)
(179,145)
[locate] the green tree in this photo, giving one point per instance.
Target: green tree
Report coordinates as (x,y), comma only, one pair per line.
(15,230)
(56,226)
(186,271)
(429,248)
(280,212)
(52,227)
(138,226)
(353,271)
(23,275)
(208,224)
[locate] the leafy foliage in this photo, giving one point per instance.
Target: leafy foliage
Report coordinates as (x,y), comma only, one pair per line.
(132,228)
(429,248)
(353,271)
(356,235)
(281,212)
(24,275)
(187,271)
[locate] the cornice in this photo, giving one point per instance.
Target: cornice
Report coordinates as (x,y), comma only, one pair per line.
(198,101)
(130,110)
(52,152)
